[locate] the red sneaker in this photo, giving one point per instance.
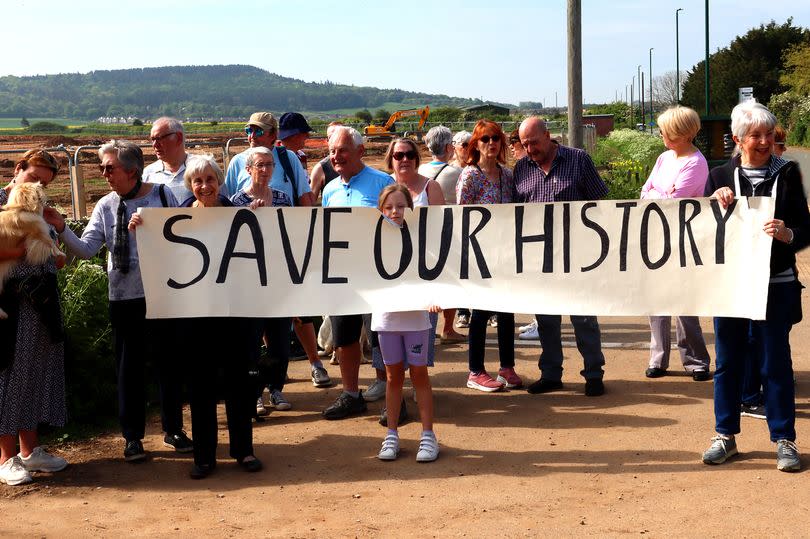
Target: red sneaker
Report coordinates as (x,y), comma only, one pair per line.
(483,382)
(508,377)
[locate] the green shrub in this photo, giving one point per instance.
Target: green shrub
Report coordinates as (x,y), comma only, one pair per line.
(627,157)
(47,127)
(89,363)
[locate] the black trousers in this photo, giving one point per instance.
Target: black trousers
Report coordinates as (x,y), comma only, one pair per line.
(135,340)
(277,332)
(223,355)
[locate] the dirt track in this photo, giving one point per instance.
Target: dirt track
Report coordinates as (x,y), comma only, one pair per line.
(512,464)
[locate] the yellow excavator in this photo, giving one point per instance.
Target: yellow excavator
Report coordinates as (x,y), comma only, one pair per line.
(386,132)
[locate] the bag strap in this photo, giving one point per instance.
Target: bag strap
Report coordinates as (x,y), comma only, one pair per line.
(444,166)
(162,193)
(289,175)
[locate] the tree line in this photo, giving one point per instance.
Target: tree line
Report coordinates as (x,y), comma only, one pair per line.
(226,91)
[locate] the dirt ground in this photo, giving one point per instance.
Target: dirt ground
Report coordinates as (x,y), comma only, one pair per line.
(511,464)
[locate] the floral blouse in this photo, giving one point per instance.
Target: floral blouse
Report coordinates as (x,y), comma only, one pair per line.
(474,187)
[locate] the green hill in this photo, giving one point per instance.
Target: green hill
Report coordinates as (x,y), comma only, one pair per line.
(205,92)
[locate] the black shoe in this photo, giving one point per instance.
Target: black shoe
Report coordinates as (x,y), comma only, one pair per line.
(133,451)
(250,464)
(655,372)
(201,471)
(345,405)
(701,376)
(753,410)
(594,387)
(544,386)
(179,441)
(403,415)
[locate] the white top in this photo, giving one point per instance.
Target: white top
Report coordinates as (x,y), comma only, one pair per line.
(175,181)
(400,321)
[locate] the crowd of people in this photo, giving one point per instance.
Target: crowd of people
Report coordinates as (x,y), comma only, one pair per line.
(238,359)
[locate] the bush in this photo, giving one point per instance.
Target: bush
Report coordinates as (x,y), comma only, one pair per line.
(89,364)
(137,122)
(47,127)
(627,157)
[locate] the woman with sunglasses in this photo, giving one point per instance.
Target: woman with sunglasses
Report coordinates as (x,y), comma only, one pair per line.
(135,339)
(32,357)
(486,181)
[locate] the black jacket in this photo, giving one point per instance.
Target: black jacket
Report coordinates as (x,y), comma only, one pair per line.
(791,205)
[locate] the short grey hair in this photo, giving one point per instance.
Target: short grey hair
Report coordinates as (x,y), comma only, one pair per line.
(251,156)
(197,165)
(173,124)
(129,155)
(749,115)
(437,138)
(355,135)
(461,137)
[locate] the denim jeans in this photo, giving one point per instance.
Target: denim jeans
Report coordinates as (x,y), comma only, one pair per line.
(478,336)
(589,344)
(771,344)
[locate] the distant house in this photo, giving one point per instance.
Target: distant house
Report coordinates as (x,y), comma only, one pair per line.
(488,108)
(602,122)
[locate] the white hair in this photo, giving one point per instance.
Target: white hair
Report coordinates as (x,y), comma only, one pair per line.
(437,138)
(197,164)
(749,115)
(461,137)
(357,138)
(173,124)
(251,156)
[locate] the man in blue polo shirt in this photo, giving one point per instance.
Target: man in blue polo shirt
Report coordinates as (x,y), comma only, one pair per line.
(356,185)
(262,130)
(553,173)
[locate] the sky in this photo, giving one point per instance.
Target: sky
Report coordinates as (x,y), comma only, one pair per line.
(507,50)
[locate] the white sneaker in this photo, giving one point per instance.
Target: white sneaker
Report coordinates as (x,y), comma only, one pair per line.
(428,448)
(261,409)
(390,448)
(12,472)
(278,401)
(527,327)
(531,334)
(41,461)
(375,391)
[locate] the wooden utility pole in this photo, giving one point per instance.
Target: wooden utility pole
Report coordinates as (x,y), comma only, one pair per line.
(575,74)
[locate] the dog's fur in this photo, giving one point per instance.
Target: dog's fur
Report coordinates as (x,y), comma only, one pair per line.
(21,219)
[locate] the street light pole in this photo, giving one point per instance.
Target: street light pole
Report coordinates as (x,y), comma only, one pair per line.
(677,60)
(706,67)
(641,93)
(632,105)
(651,93)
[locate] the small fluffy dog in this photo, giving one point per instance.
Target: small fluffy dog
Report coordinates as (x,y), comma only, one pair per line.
(21,219)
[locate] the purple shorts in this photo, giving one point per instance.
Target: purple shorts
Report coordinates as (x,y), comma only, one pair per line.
(398,346)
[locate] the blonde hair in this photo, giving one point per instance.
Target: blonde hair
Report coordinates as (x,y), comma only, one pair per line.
(679,122)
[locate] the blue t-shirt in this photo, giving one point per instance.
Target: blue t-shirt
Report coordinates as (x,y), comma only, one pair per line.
(237,176)
(363,189)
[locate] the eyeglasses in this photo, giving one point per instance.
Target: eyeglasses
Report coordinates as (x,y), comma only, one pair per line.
(157,139)
(410,154)
(486,138)
(269,165)
(255,131)
(107,169)
(464,145)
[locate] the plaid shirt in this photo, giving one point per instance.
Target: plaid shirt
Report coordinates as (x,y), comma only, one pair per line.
(572,176)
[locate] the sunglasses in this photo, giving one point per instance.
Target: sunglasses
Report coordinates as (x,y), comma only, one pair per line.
(157,139)
(486,138)
(107,169)
(410,154)
(255,131)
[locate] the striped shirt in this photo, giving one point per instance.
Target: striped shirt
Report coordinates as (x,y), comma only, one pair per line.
(572,176)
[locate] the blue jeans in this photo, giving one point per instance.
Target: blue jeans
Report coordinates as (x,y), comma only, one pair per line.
(589,344)
(752,382)
(478,335)
(771,345)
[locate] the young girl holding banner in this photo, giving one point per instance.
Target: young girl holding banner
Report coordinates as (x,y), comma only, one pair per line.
(403,340)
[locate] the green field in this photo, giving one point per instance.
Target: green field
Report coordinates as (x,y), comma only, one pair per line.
(6,123)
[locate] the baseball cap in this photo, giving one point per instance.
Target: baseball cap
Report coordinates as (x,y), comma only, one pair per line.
(265,120)
(292,123)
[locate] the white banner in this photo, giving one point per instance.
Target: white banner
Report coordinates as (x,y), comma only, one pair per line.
(639,257)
